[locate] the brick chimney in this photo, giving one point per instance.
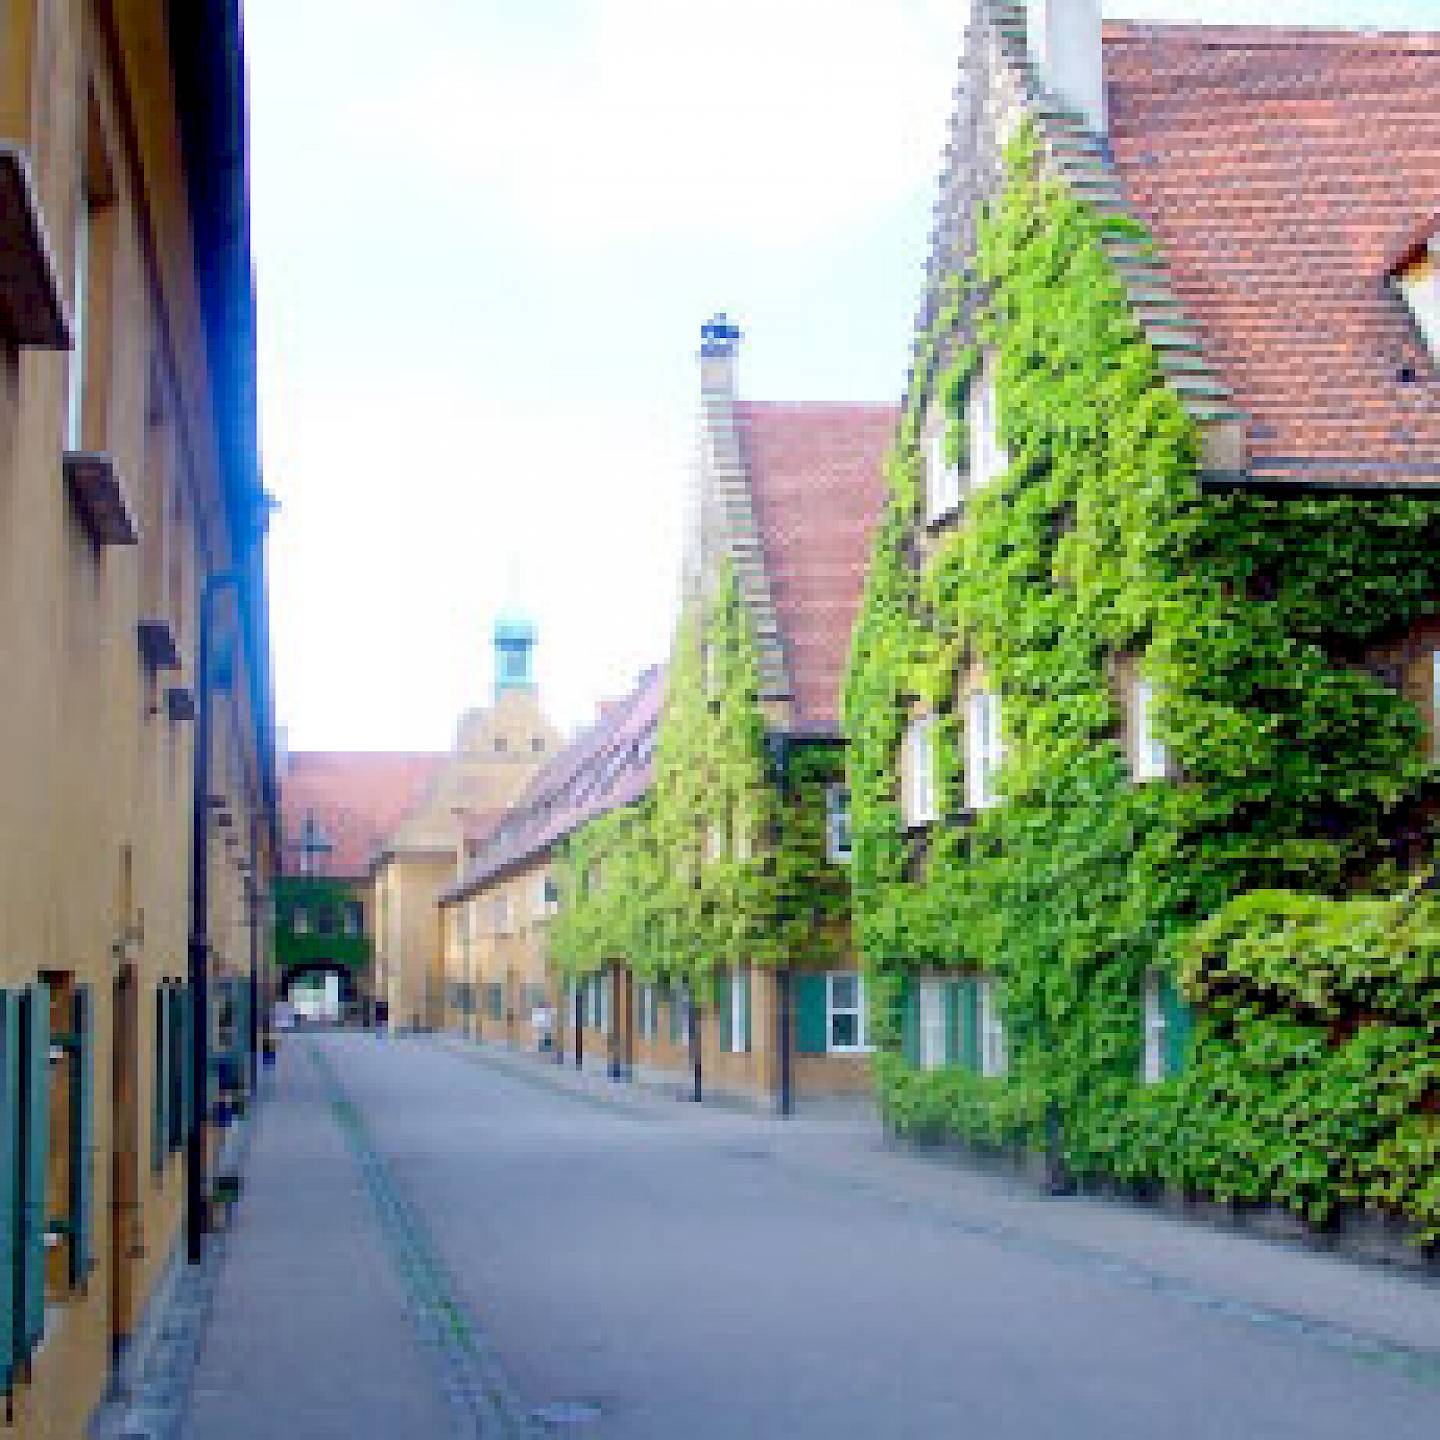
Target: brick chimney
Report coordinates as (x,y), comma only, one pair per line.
(1064,37)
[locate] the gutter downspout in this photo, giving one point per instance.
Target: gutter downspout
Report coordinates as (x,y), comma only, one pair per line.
(216,583)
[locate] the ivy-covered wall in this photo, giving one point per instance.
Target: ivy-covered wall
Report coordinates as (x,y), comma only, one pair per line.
(1296,770)
(724,861)
(323,940)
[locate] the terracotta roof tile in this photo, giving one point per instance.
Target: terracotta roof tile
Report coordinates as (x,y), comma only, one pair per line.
(355,799)
(605,767)
(1278,169)
(816,474)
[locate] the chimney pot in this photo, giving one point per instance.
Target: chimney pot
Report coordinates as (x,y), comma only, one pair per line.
(1065,43)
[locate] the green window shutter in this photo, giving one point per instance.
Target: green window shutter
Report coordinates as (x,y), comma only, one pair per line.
(9,1183)
(34,1164)
(909,1021)
(160,1098)
(952,1022)
(970,1024)
(811,1020)
(743,980)
(82,1135)
(723,983)
(1178,1023)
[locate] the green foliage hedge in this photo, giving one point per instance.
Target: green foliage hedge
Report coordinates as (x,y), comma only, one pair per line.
(1299,770)
(639,886)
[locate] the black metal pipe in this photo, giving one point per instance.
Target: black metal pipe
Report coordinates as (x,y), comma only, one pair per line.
(785,980)
(692,1016)
(617,1022)
(579,1027)
(252,889)
(199,947)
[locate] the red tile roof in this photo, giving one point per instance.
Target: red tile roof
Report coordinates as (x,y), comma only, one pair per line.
(816,475)
(605,767)
(1278,169)
(356,798)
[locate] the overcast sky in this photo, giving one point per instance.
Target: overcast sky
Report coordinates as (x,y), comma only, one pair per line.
(486,234)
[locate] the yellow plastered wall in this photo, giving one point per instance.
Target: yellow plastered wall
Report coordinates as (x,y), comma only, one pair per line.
(94,829)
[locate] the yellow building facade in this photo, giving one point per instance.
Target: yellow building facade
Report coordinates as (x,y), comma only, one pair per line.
(499,983)
(128,475)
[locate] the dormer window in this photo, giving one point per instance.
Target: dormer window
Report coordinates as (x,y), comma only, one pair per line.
(1419,282)
(988,460)
(1149,759)
(984,750)
(942,475)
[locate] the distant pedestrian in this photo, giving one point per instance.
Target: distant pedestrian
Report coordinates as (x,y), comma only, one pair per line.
(542,1021)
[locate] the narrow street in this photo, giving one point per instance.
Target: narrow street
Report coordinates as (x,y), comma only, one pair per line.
(438,1240)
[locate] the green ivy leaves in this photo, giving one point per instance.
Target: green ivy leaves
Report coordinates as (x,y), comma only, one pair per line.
(1312,1079)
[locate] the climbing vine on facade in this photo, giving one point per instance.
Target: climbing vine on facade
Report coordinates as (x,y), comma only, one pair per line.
(1295,769)
(724,861)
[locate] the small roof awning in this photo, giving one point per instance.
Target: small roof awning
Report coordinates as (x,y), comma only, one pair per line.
(32,312)
(1415,246)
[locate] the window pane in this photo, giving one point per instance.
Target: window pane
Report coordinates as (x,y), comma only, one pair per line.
(844,1031)
(844,992)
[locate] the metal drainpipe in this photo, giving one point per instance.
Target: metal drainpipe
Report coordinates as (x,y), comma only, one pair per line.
(785,980)
(579,1027)
(692,1017)
(617,1021)
(253,894)
(199,948)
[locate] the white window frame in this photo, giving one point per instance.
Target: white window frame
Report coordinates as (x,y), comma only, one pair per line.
(1149,759)
(1152,1064)
(942,475)
(80,314)
(739,1020)
(1435,704)
(932,1024)
(649,1011)
(837,824)
(918,797)
(502,918)
(994,1046)
(300,920)
(861,1047)
(988,457)
(744,845)
(984,749)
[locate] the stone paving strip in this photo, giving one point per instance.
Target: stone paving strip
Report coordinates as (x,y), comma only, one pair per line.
(475,1387)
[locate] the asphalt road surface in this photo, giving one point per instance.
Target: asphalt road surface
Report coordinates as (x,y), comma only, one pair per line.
(439,1240)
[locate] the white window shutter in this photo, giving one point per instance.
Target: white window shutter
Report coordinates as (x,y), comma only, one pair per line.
(1150,760)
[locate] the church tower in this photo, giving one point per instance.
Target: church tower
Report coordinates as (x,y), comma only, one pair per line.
(514,653)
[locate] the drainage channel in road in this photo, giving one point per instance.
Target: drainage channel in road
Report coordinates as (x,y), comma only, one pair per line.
(479,1393)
